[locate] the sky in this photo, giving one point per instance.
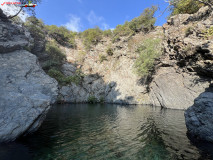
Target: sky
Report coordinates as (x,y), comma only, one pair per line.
(79,15)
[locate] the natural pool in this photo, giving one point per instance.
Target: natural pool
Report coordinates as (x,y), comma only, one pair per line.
(99,132)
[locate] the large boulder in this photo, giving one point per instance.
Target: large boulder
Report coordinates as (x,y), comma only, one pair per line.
(199,118)
(174,90)
(25,96)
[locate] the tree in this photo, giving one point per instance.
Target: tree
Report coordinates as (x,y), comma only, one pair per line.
(145,21)
(187,6)
(28,9)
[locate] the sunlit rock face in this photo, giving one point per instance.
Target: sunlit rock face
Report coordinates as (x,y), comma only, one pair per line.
(185,69)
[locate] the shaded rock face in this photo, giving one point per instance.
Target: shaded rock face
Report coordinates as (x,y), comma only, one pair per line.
(199,118)
(26,91)
(13,37)
(186,68)
(92,85)
(25,96)
(175,90)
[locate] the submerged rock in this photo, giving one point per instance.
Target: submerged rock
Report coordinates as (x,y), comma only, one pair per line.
(199,118)
(25,96)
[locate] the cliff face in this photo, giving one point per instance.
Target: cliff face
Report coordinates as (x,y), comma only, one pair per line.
(26,91)
(181,74)
(186,68)
(114,78)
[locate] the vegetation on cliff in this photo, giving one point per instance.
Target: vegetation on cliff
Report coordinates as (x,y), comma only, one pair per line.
(149,50)
(187,6)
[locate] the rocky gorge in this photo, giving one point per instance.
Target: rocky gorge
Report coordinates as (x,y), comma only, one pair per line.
(181,78)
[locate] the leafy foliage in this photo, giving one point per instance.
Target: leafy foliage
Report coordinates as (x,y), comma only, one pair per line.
(208,32)
(62,35)
(107,33)
(148,51)
(185,6)
(109,51)
(55,52)
(102,58)
(30,9)
(63,80)
(92,99)
(55,57)
(145,21)
(36,28)
(123,30)
(17,20)
(189,31)
(91,37)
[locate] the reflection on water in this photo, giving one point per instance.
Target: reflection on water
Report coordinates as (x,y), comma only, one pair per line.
(106,132)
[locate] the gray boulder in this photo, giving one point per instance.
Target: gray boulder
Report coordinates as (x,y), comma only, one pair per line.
(174,90)
(199,117)
(25,96)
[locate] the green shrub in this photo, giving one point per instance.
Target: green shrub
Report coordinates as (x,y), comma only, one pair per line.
(116,39)
(188,31)
(109,51)
(185,6)
(91,37)
(102,100)
(149,50)
(17,20)
(107,33)
(36,27)
(63,80)
(102,58)
(54,51)
(51,63)
(92,99)
(37,30)
(145,22)
(62,35)
(57,75)
(122,30)
(208,32)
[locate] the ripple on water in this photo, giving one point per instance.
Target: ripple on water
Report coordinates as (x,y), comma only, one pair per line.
(107,132)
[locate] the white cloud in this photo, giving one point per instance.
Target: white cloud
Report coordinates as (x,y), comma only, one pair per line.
(74,23)
(105,26)
(97,20)
(11,10)
(93,18)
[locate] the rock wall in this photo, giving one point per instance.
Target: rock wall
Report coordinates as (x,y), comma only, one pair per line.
(117,81)
(186,68)
(26,92)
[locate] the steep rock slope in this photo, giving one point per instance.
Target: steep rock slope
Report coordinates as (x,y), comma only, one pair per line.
(114,78)
(185,70)
(26,91)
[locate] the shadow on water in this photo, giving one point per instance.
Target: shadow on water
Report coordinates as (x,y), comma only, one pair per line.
(106,132)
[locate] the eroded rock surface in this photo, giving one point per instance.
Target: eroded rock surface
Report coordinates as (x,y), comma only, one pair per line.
(185,70)
(25,96)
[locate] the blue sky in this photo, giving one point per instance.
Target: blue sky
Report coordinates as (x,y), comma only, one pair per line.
(79,15)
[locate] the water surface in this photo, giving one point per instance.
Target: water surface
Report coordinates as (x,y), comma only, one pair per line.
(105,132)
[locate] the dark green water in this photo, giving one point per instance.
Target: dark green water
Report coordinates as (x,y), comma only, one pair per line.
(105,132)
